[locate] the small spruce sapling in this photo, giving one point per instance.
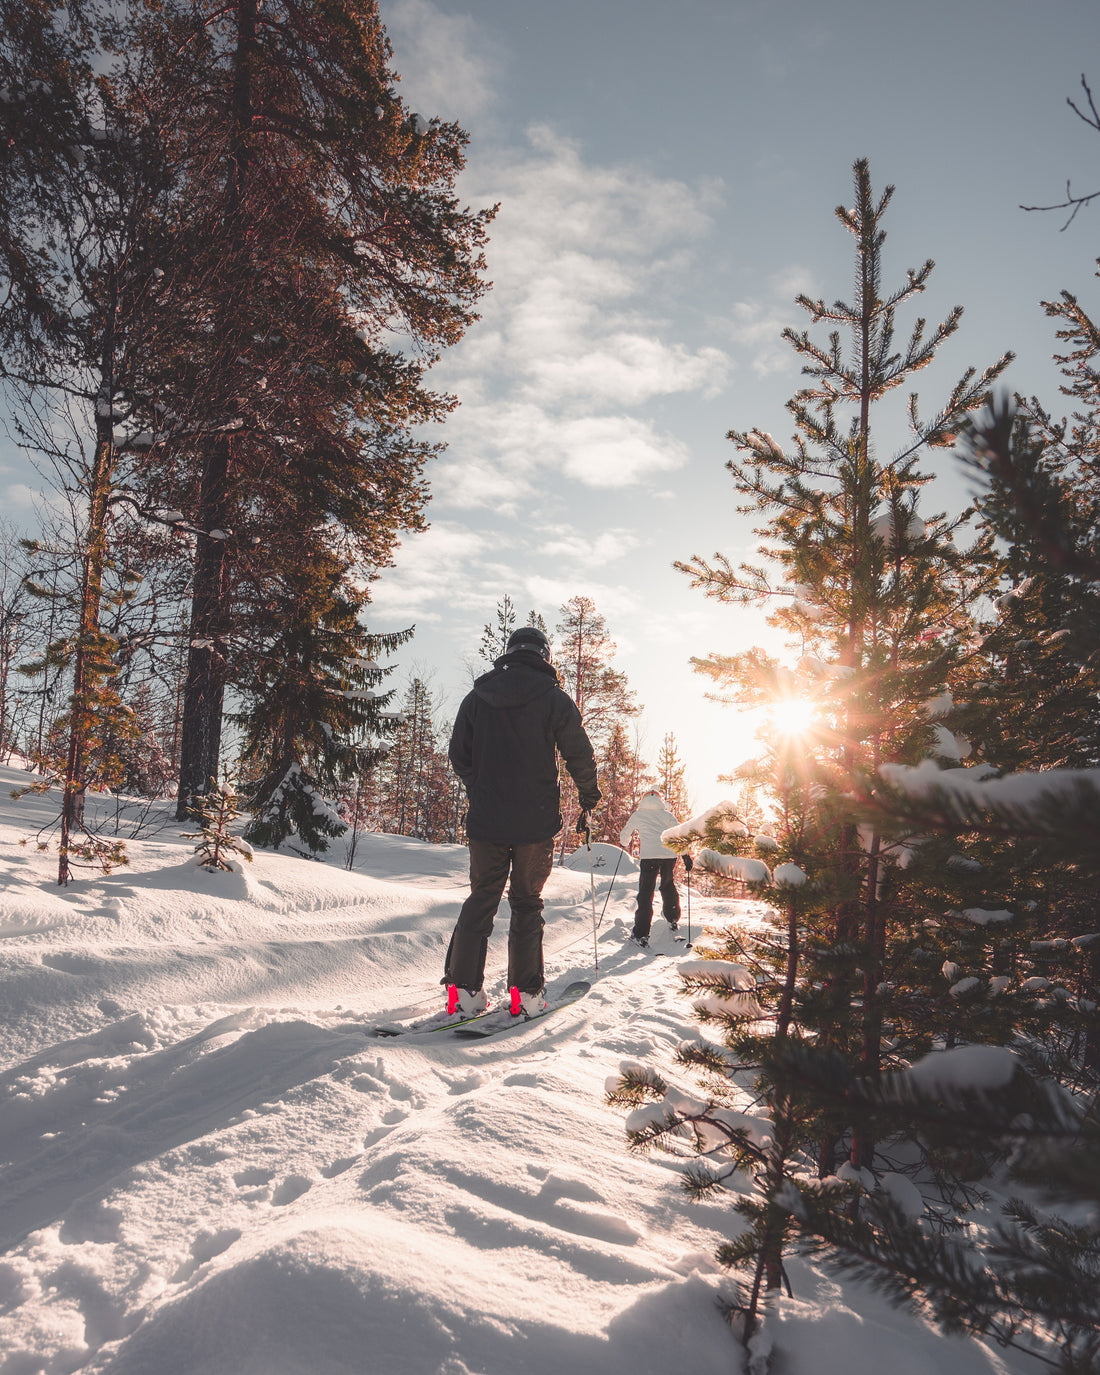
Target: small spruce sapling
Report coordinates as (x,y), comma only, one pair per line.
(218,810)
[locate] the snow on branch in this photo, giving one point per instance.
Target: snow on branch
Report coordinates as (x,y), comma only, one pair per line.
(1052,802)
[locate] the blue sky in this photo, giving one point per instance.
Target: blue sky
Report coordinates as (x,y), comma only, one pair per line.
(667,174)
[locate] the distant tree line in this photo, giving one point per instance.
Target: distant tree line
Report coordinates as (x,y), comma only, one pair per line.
(387,771)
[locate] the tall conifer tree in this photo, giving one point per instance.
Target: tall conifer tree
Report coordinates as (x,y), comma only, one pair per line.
(879,601)
(583,659)
(323,225)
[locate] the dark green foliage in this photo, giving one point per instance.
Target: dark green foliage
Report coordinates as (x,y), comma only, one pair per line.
(418,791)
(887,942)
(314,716)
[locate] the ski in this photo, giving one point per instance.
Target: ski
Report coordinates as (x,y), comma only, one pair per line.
(489,1024)
(438,1022)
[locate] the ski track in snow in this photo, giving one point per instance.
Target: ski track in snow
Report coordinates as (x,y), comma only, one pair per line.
(208,1166)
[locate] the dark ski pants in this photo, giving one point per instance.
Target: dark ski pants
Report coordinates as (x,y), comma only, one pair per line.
(670,898)
(490,865)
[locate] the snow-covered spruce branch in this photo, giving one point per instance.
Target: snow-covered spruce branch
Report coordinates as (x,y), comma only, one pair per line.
(723,994)
(890,1252)
(660,1112)
(974,1092)
(1059,806)
(1038,1276)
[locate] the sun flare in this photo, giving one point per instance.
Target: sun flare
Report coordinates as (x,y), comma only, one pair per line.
(792,715)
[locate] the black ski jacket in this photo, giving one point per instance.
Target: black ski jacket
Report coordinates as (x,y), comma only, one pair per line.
(503,748)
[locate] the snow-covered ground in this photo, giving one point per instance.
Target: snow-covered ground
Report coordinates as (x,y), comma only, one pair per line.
(210,1166)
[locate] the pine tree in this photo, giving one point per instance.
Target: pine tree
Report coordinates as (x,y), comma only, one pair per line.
(671,779)
(601,692)
(494,635)
(1033,702)
(880,606)
(218,810)
(618,766)
(322,225)
(312,698)
(416,785)
(16,630)
(880,597)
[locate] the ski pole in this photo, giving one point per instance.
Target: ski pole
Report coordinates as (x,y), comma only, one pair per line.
(607,897)
(582,829)
(689,864)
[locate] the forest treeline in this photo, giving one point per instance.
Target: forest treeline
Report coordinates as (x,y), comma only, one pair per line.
(230,254)
(399,778)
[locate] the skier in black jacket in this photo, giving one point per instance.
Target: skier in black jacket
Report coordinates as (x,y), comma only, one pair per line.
(503,747)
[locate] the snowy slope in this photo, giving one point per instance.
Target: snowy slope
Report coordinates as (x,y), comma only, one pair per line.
(210,1167)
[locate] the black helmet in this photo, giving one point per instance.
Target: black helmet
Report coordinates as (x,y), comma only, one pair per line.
(529,637)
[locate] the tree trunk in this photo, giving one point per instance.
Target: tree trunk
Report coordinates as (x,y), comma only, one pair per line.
(203,694)
(863,1144)
(81,721)
(200,744)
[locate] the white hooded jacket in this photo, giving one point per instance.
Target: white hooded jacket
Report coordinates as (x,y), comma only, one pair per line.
(650,818)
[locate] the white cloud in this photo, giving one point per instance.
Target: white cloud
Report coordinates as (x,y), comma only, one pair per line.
(469,483)
(584,551)
(499,455)
(433,575)
(446,68)
(577,336)
(628,369)
(19,497)
(757,325)
(581,257)
(616,450)
(611,601)
(581,339)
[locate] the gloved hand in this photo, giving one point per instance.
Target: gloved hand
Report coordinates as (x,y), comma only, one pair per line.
(689,863)
(582,824)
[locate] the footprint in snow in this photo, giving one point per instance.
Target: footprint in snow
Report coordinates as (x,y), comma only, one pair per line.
(205,1247)
(92,1222)
(71,964)
(364,1083)
(292,1187)
(250,1178)
(467,1083)
(339,1166)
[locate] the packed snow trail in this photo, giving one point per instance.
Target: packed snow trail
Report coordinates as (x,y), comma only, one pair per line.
(208,1167)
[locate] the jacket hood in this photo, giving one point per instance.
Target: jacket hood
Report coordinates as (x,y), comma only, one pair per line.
(652,800)
(516,679)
